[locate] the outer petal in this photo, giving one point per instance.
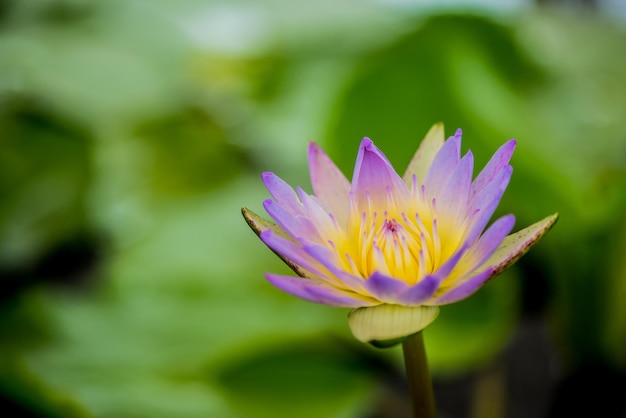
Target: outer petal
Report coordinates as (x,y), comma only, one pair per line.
(481,250)
(511,249)
(259,224)
(298,227)
(499,160)
(294,256)
(329,184)
(319,292)
(443,165)
(423,158)
(490,240)
(282,193)
(328,259)
(517,244)
(465,289)
(375,179)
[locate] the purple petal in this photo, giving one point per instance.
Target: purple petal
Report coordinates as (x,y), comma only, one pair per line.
(319,292)
(419,292)
(443,165)
(446,268)
(384,288)
(318,215)
(329,183)
(293,254)
(298,227)
(329,260)
(516,245)
(499,160)
(375,179)
(486,203)
(464,289)
(490,241)
(282,193)
(453,202)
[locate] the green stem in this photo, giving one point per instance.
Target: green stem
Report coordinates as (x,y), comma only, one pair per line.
(420,383)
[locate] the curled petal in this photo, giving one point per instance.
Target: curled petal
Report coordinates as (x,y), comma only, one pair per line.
(319,292)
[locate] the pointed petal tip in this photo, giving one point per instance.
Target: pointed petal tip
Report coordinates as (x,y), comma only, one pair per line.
(367,144)
(313,147)
(517,244)
(259,224)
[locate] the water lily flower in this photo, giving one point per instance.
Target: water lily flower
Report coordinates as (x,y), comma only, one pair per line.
(394,248)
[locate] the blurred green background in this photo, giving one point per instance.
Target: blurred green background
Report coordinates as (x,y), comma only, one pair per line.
(132,132)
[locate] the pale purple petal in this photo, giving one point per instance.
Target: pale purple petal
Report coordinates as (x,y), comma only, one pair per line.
(443,165)
(490,241)
(282,193)
(384,288)
(464,289)
(375,179)
(329,260)
(516,244)
(293,254)
(318,215)
(419,292)
(319,292)
(453,202)
(486,202)
(329,183)
(298,227)
(499,160)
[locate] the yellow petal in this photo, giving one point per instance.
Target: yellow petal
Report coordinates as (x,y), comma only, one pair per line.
(387,325)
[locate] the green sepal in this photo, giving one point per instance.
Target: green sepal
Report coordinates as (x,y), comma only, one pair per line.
(387,325)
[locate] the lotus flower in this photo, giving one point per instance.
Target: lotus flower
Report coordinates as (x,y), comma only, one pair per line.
(395,248)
